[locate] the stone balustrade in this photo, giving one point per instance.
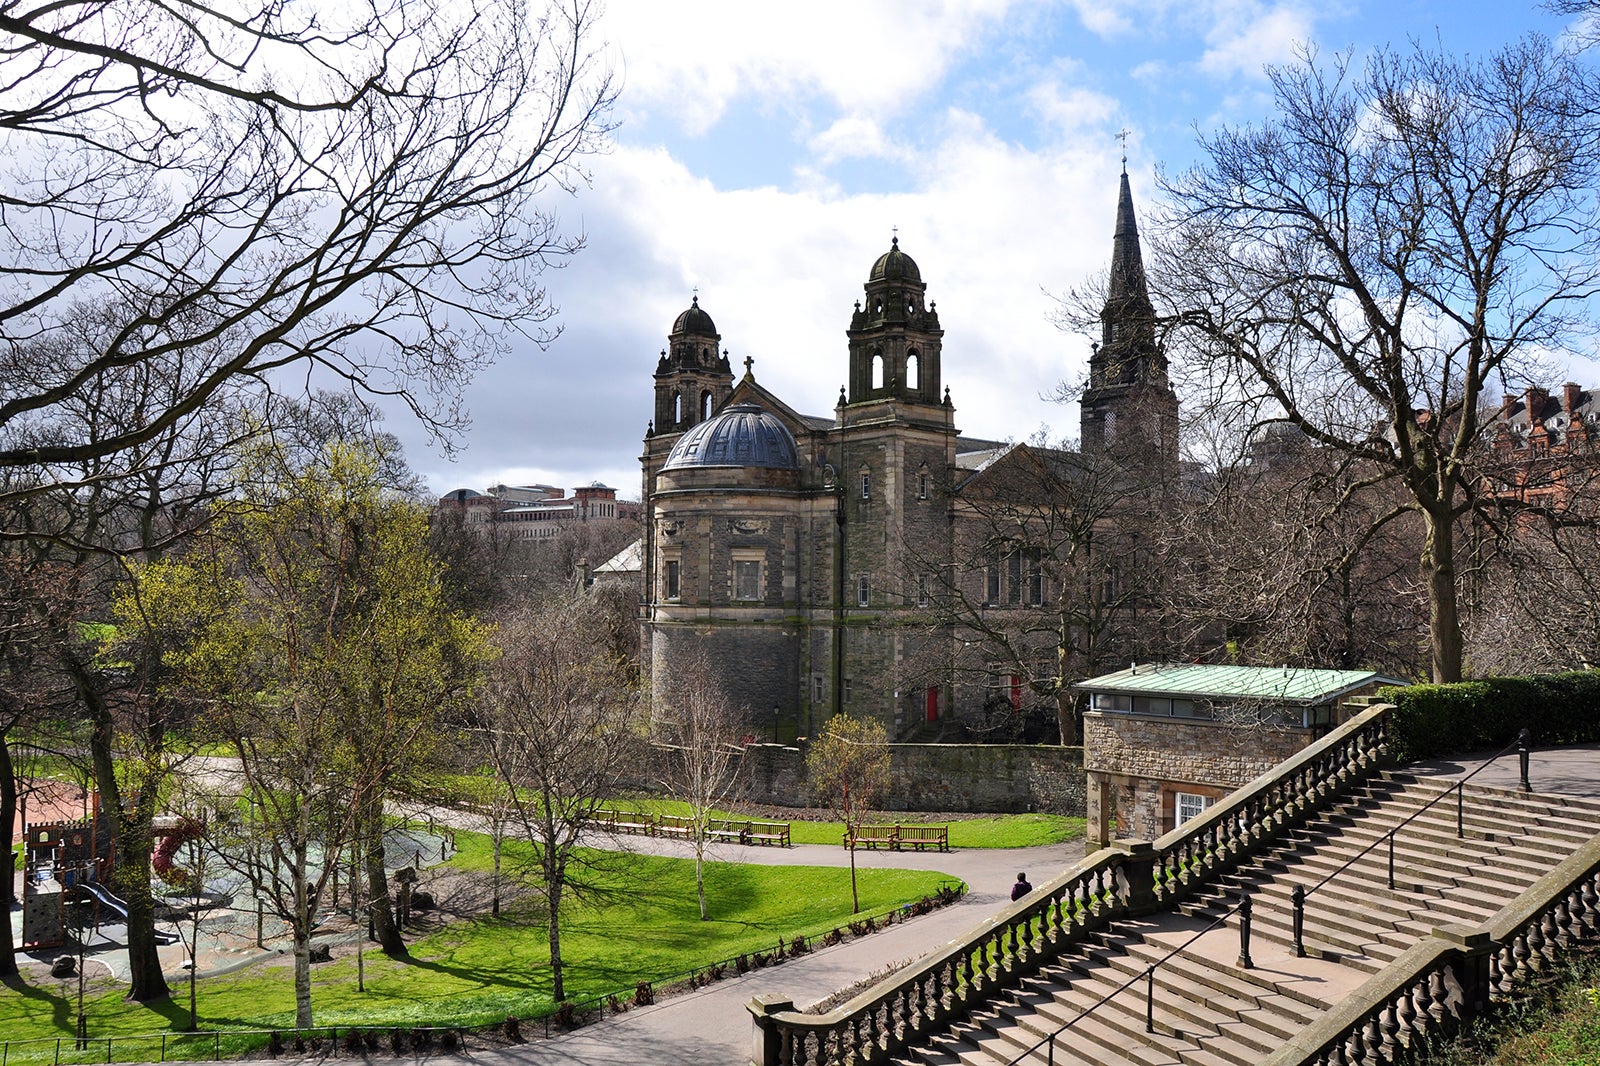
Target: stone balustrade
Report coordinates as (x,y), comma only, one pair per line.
(1130,878)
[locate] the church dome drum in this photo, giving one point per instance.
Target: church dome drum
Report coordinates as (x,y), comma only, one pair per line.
(742,435)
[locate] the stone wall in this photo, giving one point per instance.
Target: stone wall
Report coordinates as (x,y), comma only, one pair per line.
(969,778)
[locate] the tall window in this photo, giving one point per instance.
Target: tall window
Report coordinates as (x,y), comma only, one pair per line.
(863,591)
(1035,577)
(922,482)
(670,576)
(677,407)
(866,484)
(991,581)
(913,370)
(922,590)
(1014,577)
(705,405)
(877,370)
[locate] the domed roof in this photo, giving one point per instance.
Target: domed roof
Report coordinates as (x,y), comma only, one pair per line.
(742,435)
(695,320)
(895,265)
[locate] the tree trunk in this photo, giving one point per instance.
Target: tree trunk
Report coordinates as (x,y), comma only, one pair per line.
(302,941)
(8,891)
(552,884)
(133,841)
(699,866)
(1066,715)
(1439,574)
(855,896)
(380,904)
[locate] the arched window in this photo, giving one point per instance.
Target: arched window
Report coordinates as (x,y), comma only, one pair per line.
(677,407)
(913,370)
(877,370)
(705,405)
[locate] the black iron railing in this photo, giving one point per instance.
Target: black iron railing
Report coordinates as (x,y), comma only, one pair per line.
(1299,895)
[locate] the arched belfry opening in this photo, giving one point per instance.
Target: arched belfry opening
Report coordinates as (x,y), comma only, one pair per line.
(692,380)
(894,336)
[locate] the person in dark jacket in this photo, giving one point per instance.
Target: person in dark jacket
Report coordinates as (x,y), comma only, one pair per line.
(1021,888)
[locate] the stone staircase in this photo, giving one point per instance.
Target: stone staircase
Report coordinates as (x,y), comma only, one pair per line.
(1206,1008)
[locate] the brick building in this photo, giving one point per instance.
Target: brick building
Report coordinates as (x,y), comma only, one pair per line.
(797,554)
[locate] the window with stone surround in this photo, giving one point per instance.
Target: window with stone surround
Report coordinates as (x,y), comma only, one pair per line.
(747,567)
(863,591)
(923,595)
(671,579)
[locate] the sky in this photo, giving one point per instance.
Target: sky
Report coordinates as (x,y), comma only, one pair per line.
(766,153)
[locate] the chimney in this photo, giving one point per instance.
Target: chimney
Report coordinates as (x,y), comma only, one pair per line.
(1572,395)
(1534,400)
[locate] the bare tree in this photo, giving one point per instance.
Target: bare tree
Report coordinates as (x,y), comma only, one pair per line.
(1364,265)
(353,191)
(847,767)
(559,729)
(700,729)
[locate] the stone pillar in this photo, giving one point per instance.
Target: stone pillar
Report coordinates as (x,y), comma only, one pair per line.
(1475,947)
(768,1047)
(1097,832)
(1136,876)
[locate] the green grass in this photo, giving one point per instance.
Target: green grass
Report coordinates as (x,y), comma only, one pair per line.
(989,831)
(642,922)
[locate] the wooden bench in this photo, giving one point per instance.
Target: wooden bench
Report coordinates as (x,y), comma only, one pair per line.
(870,836)
(775,834)
(750,832)
(895,837)
(726,830)
(625,821)
(674,825)
(923,836)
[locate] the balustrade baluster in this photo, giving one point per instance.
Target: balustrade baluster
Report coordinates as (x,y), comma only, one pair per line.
(1406,1016)
(1439,997)
(1519,953)
(1537,955)
(1358,1044)
(1389,1030)
(1497,971)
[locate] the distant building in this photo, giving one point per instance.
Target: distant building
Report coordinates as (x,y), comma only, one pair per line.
(536,512)
(1162,742)
(1536,437)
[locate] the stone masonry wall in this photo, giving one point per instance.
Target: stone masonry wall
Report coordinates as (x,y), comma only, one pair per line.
(970,778)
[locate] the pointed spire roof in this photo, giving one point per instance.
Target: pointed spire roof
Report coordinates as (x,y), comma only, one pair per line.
(1127,284)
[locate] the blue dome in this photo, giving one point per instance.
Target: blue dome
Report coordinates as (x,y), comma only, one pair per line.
(742,435)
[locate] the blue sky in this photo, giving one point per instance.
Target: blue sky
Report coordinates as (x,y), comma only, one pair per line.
(765,153)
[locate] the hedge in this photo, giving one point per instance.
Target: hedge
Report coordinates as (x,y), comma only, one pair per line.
(1436,720)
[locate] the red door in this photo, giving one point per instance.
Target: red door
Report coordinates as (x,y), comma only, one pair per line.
(932,703)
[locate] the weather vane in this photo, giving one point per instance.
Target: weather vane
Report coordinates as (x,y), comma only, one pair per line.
(1122,135)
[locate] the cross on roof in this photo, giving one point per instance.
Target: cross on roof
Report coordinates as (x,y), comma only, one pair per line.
(1122,135)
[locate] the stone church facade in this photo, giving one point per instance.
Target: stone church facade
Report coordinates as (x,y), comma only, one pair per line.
(794,556)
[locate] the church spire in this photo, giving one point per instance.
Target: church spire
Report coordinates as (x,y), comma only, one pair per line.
(1127,322)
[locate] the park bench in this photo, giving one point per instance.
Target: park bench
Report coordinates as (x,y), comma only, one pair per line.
(625,821)
(674,825)
(870,836)
(750,832)
(773,833)
(923,836)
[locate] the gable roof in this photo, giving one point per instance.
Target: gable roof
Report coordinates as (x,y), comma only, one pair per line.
(1297,685)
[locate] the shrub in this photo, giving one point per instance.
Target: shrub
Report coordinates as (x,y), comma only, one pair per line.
(1430,721)
(513,1028)
(643,994)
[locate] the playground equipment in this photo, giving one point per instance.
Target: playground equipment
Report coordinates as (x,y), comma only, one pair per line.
(69,864)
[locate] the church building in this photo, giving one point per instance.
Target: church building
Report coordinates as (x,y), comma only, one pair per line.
(796,556)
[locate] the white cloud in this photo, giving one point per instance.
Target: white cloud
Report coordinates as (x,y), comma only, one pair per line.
(1249,36)
(1070,107)
(866,58)
(852,138)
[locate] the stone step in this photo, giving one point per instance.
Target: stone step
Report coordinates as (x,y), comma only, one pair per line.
(1531,831)
(1570,812)
(1411,866)
(1117,1027)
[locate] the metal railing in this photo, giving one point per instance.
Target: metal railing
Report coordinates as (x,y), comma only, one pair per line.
(1299,894)
(1148,976)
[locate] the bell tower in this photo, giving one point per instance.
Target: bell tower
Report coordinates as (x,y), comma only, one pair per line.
(1129,410)
(693,378)
(894,339)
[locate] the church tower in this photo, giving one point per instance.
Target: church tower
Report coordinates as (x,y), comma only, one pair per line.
(894,340)
(1129,410)
(692,377)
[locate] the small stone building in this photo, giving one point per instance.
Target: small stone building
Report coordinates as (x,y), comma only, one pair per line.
(1162,742)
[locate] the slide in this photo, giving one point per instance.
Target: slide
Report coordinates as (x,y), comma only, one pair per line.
(106,898)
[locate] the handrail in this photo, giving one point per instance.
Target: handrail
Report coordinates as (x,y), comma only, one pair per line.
(1300,893)
(1148,976)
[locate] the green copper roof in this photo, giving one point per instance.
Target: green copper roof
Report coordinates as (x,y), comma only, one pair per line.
(1285,684)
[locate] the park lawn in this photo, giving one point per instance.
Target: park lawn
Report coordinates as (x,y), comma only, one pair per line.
(642,924)
(988,831)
